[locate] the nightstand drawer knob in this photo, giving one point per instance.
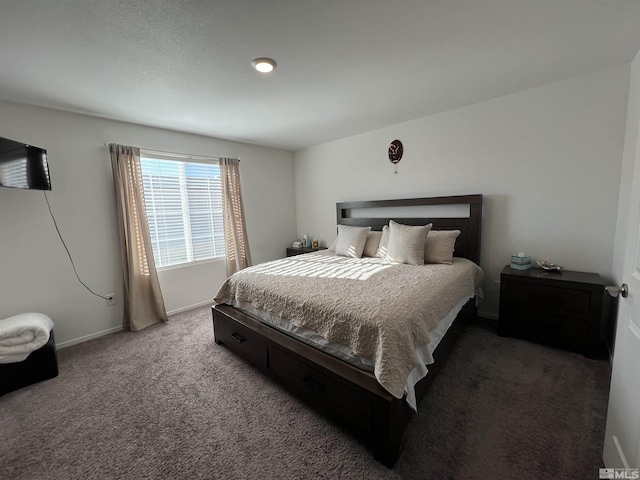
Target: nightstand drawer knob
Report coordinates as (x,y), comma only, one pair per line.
(614,291)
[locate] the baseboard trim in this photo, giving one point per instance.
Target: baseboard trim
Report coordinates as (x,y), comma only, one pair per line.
(102,333)
(86,338)
(488,316)
(190,307)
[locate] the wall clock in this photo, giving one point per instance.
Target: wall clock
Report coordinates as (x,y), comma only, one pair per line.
(395,153)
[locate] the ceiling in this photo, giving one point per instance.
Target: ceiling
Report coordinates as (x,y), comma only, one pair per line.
(344,66)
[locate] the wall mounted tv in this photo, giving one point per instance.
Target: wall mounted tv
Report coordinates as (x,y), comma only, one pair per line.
(23,166)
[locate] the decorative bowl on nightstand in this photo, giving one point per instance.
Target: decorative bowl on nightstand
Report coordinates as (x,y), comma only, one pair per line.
(549,265)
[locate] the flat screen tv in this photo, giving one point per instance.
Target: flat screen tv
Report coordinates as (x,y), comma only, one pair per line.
(23,166)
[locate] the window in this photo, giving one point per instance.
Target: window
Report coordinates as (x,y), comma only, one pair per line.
(184,208)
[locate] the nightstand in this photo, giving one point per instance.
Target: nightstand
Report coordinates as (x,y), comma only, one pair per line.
(293,251)
(567,309)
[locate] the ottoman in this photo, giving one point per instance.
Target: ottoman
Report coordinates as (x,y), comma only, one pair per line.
(40,365)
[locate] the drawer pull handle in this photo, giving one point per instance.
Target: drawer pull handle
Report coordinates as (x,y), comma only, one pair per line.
(237,337)
(314,384)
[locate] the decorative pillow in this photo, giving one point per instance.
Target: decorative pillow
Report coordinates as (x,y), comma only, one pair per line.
(351,240)
(440,245)
(372,244)
(406,243)
(384,243)
(332,247)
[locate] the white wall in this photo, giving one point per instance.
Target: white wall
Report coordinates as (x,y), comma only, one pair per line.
(548,161)
(35,273)
(184,288)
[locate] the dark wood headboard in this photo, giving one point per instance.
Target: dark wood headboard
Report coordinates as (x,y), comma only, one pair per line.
(467,244)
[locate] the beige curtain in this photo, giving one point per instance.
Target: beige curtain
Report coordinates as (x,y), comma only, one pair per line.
(235,230)
(143,303)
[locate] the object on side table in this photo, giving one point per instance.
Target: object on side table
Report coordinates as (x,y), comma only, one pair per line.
(520,261)
(567,309)
(549,265)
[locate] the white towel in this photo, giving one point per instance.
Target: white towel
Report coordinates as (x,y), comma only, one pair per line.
(22,334)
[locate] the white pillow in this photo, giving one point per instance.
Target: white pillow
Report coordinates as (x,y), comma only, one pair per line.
(351,240)
(406,243)
(384,243)
(372,244)
(440,246)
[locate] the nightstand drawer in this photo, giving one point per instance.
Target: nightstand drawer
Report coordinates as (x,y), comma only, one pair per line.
(241,340)
(546,297)
(549,328)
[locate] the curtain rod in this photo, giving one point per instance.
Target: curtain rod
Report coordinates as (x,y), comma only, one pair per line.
(186,155)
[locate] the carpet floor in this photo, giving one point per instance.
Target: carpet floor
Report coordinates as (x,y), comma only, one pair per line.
(167,403)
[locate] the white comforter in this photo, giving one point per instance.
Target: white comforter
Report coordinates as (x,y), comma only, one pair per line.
(382,311)
(22,334)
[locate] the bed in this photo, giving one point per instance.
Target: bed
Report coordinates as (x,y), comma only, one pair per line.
(352,394)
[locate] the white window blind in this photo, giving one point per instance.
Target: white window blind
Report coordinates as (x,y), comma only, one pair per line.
(184,209)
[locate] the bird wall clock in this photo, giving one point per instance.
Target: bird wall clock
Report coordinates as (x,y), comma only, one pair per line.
(395,153)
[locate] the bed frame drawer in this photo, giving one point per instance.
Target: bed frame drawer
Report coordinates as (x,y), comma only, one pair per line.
(241,340)
(332,394)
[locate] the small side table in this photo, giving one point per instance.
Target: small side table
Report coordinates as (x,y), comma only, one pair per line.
(567,309)
(293,251)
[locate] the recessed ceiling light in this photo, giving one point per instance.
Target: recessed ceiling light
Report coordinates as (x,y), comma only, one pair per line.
(263,64)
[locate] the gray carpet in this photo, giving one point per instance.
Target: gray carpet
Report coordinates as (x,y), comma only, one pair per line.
(167,403)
